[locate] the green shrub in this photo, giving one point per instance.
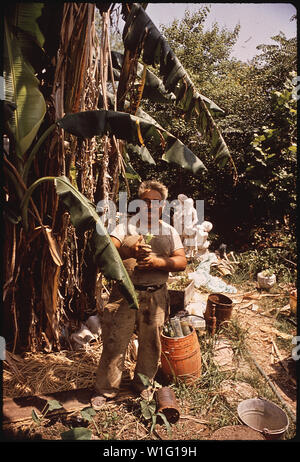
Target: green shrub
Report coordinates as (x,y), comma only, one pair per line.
(281,260)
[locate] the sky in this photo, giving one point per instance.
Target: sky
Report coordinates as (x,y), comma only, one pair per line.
(259,21)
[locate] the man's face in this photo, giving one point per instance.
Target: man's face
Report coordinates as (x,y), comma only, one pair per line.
(153,206)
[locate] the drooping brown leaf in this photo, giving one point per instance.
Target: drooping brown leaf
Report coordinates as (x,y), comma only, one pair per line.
(53,246)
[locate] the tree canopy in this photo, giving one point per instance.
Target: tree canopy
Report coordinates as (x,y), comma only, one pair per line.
(258,106)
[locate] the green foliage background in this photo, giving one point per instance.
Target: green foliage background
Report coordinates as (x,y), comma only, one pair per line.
(259,128)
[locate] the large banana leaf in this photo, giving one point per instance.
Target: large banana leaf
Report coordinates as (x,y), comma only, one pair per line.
(134,130)
(84,217)
(154,88)
(24,16)
(21,84)
(141,34)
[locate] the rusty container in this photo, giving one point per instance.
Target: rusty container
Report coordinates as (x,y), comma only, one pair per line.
(211,321)
(167,404)
(181,357)
(293,301)
(221,305)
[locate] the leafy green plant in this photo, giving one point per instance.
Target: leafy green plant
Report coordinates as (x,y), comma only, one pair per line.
(272,171)
(50,405)
(77,433)
(148,238)
(21,84)
(149,405)
(267,272)
(87,414)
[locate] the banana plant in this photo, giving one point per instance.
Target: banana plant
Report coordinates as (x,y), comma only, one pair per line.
(134,130)
(22,39)
(84,217)
(24,42)
(140,35)
(154,88)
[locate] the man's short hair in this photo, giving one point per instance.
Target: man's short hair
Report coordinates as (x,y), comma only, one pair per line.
(156,185)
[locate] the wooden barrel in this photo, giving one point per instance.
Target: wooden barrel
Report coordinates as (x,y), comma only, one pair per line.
(181,357)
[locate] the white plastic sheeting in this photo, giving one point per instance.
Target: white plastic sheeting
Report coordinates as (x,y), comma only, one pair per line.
(203,278)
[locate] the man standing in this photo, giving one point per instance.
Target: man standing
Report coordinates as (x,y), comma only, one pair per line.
(148,266)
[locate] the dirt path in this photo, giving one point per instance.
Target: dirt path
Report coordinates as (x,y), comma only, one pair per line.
(262,334)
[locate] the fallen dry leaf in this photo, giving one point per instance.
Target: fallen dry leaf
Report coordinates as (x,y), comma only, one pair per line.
(273,330)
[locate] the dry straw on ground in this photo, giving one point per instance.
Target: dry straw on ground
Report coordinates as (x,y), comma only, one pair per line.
(42,373)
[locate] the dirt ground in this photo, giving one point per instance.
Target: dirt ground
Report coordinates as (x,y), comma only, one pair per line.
(260,338)
(121,419)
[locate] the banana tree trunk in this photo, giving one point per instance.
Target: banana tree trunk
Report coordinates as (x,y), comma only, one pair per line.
(46,280)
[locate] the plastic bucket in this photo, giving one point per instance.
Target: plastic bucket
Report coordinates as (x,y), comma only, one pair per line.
(166,404)
(181,357)
(264,416)
(223,308)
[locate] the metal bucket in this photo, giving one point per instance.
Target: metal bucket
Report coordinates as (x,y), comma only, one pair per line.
(264,416)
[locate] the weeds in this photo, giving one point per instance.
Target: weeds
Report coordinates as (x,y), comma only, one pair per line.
(279,259)
(49,406)
(149,405)
(237,336)
(77,433)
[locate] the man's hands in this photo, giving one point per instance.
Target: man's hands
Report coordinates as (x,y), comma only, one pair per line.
(142,253)
(147,260)
(138,250)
